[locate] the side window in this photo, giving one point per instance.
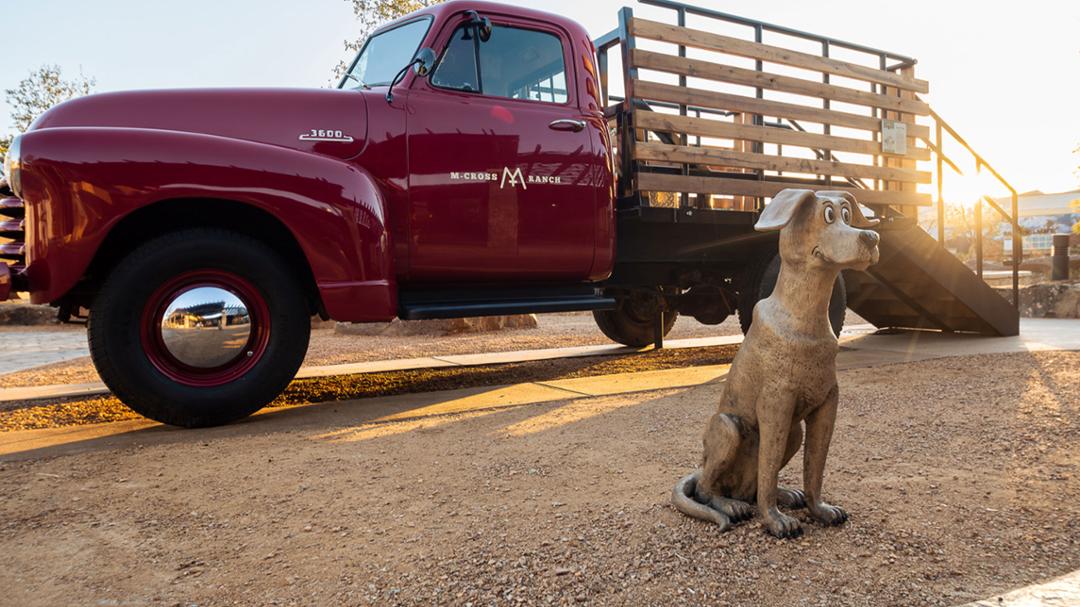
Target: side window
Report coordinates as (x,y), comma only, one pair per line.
(515,63)
(457,69)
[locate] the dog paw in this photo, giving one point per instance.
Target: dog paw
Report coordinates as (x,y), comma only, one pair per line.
(790,498)
(736,510)
(782,526)
(827,514)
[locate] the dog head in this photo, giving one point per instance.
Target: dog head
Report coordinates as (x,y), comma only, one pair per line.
(825,229)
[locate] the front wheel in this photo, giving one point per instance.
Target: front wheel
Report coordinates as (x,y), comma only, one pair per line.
(199,328)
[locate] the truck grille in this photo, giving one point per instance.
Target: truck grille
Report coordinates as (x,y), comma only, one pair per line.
(13,236)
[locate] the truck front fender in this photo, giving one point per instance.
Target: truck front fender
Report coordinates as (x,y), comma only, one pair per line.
(80,182)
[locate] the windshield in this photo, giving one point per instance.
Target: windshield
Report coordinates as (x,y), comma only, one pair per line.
(385,54)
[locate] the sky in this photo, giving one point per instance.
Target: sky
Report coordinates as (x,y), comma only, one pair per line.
(1006,75)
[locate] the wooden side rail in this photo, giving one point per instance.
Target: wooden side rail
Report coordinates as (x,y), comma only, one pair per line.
(671,123)
(751,105)
(691,38)
(866,164)
(659,182)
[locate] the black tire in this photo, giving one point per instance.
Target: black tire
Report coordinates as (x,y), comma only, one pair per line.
(629,325)
(130,364)
(759,282)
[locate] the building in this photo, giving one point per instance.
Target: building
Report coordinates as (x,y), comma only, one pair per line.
(1041,216)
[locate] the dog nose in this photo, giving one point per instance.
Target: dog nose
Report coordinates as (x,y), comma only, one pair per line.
(869,238)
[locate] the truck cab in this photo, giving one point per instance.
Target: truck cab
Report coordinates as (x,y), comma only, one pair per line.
(505,142)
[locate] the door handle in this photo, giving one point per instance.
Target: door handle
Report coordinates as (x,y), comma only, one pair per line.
(566,124)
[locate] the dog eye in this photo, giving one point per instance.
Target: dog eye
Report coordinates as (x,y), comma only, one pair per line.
(845,214)
(830,214)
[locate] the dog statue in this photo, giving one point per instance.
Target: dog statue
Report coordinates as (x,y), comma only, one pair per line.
(784,373)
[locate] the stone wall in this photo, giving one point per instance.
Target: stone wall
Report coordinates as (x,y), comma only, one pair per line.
(1059,299)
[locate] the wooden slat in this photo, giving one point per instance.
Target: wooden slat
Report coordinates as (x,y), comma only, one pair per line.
(684,36)
(656,182)
(656,121)
(901,161)
(711,156)
(698,68)
(724,101)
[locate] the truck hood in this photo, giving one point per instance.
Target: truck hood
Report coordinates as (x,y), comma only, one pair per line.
(324,121)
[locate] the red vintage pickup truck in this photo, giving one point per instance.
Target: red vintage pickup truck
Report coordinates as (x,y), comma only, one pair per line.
(469,163)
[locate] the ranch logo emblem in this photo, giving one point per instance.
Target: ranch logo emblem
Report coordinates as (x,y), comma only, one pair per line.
(513,177)
(325,135)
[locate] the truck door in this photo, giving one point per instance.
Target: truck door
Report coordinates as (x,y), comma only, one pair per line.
(501,171)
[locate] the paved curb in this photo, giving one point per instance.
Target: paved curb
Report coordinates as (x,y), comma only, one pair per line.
(1059,592)
(381,366)
(1037,334)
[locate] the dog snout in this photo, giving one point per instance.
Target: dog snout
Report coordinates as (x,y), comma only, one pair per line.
(869,238)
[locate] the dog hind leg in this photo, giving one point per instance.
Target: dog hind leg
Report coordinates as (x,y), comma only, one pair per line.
(698,494)
(723,439)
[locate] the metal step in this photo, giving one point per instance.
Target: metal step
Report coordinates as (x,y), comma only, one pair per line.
(460,301)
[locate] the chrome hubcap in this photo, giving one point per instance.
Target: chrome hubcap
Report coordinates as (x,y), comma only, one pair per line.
(206,327)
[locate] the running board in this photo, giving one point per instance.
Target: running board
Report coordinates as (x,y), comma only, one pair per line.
(459,303)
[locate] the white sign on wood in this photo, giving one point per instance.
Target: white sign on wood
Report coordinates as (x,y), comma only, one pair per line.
(893,137)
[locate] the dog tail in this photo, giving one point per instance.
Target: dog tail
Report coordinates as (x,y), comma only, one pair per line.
(682,497)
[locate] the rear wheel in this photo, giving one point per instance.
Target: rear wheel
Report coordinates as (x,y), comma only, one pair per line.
(759,282)
(199,328)
(632,321)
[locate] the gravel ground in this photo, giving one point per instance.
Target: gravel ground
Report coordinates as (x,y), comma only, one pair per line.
(330,348)
(961,475)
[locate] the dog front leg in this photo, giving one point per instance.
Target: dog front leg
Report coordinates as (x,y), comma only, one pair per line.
(819,429)
(774,411)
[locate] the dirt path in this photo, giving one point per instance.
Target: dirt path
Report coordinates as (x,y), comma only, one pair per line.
(961,475)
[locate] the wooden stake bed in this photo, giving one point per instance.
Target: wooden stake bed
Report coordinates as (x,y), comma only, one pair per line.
(697,121)
(720,113)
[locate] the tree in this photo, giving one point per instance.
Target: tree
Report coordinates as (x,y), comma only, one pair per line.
(1075,205)
(372,14)
(42,89)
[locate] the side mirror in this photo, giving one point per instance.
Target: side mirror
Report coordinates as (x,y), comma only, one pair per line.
(421,63)
(484,27)
(481,24)
(424,61)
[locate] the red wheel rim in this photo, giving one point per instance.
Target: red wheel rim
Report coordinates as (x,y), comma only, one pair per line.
(168,364)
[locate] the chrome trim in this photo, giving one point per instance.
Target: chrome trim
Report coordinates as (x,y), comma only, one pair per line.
(325,135)
(345,139)
(206,327)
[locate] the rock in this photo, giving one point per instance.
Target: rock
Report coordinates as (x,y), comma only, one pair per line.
(1059,299)
(26,314)
(448,326)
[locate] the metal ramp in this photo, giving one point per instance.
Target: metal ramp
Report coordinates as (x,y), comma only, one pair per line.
(918,284)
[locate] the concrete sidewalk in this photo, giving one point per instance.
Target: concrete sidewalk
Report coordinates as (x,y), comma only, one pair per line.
(861,348)
(426,362)
(1060,592)
(37,348)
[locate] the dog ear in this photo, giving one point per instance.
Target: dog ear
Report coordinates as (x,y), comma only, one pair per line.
(858,220)
(781,209)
